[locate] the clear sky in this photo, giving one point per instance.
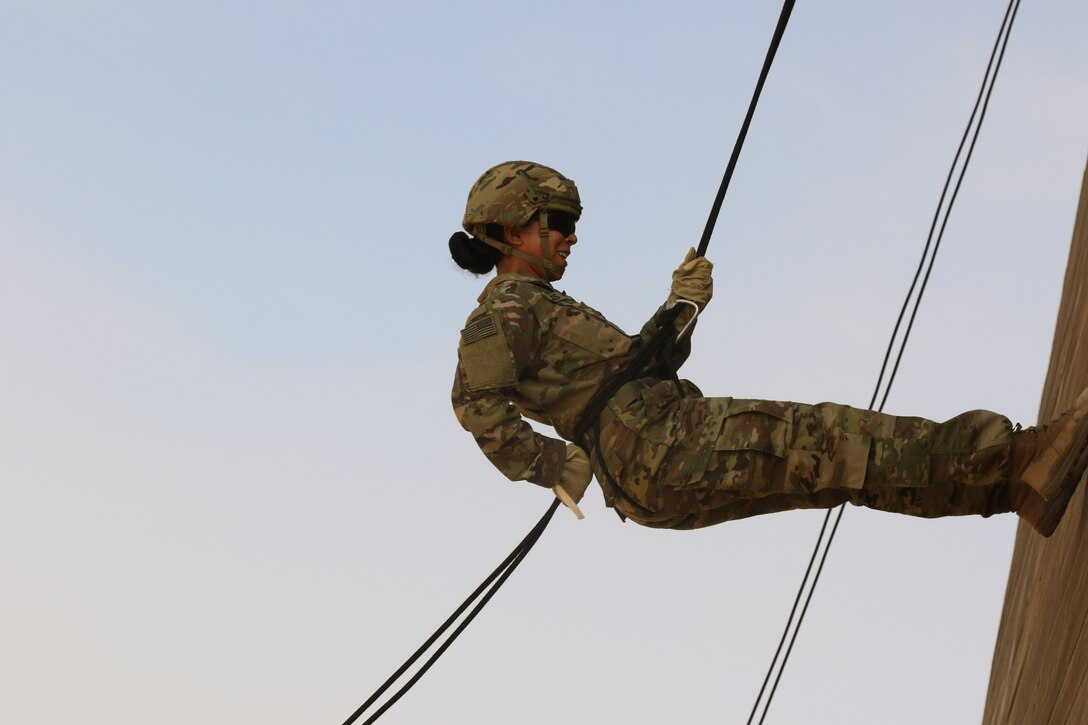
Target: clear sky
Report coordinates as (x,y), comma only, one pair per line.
(232,489)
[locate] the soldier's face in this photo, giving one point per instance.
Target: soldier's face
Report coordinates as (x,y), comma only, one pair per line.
(527,239)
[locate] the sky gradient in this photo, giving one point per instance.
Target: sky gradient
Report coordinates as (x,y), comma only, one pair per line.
(232,489)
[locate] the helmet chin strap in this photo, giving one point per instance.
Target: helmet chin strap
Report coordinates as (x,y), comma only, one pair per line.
(545,240)
(545,246)
(515,252)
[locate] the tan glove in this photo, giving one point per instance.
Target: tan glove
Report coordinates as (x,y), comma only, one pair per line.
(573,479)
(692,280)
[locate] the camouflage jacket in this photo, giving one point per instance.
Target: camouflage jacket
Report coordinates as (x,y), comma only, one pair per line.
(531,351)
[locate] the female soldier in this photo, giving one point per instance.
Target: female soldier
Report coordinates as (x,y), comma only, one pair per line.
(668,457)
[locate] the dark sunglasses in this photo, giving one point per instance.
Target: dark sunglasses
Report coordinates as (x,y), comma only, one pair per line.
(561,222)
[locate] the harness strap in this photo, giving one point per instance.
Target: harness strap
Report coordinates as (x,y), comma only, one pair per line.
(652,360)
(637,367)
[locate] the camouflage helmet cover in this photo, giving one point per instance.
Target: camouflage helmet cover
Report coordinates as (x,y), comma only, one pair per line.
(510,193)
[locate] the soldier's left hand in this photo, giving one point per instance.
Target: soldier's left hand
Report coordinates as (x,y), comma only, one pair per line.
(693,280)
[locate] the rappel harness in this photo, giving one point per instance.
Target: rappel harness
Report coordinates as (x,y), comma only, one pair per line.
(654,358)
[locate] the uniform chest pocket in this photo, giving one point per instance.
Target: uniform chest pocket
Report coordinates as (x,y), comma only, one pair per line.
(589,339)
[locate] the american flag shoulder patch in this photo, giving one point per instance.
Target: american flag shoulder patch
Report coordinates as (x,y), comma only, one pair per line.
(485,358)
(478,330)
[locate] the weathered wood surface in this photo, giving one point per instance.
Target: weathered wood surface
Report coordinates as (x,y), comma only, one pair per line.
(1040,666)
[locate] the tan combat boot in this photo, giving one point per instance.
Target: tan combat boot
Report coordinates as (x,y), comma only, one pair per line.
(1051,460)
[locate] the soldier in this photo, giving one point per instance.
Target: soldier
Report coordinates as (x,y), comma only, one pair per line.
(665,455)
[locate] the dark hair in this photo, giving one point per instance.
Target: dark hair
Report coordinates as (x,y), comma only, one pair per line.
(473,254)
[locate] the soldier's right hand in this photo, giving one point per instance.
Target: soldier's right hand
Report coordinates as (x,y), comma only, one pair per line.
(574,477)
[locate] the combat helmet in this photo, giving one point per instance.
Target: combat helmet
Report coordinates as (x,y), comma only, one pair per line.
(509,194)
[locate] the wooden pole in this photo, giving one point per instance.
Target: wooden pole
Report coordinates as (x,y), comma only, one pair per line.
(1040,666)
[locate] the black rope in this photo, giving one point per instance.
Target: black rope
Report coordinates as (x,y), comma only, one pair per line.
(779,31)
(658,348)
(983,101)
(796,601)
(1010,17)
(660,345)
(804,610)
(501,573)
(649,356)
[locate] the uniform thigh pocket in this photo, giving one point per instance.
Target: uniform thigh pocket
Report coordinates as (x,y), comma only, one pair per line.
(695,433)
(756,425)
(843,466)
(751,447)
(676,436)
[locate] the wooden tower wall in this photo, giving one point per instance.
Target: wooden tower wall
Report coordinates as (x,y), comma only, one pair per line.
(1040,666)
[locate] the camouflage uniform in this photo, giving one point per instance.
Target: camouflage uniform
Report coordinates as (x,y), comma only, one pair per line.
(684,461)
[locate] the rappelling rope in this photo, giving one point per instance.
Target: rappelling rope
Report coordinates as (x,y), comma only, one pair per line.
(635,367)
(487,588)
(941,215)
(779,31)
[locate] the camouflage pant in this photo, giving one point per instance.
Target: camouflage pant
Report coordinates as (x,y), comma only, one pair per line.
(688,462)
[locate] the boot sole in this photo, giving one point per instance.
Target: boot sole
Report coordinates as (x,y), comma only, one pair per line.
(1069,475)
(1056,482)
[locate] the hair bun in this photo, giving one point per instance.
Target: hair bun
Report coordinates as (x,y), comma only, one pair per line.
(472,254)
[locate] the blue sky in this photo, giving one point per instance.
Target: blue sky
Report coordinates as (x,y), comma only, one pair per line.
(233,489)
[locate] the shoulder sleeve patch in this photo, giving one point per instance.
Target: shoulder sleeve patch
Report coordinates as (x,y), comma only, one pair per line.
(478,330)
(485,356)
